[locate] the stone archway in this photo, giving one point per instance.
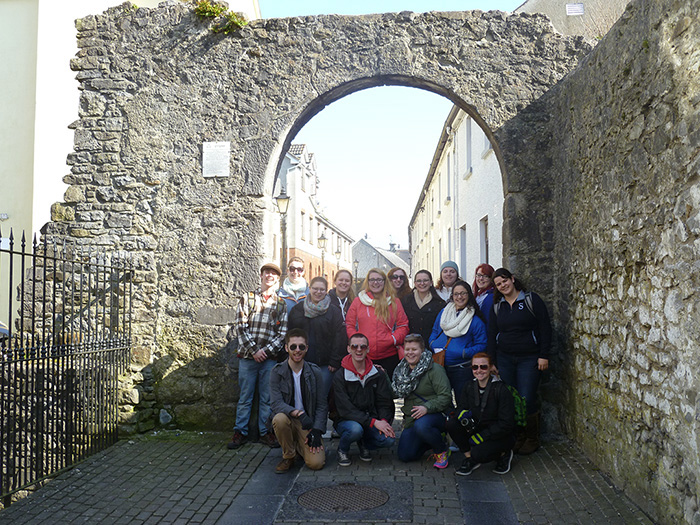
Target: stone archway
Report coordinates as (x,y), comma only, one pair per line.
(156,84)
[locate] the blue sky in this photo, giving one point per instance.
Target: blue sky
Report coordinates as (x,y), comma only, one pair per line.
(374,147)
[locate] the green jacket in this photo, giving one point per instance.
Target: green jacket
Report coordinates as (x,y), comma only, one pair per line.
(433,387)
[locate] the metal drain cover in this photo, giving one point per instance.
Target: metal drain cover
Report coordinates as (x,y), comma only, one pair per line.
(344,497)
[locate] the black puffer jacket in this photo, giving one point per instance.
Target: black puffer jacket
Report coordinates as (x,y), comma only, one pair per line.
(327,336)
(421,320)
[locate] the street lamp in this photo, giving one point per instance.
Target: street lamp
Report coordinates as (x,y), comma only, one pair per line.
(322,242)
(283,205)
(355,264)
(338,254)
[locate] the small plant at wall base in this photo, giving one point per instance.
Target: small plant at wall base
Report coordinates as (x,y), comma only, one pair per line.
(231,22)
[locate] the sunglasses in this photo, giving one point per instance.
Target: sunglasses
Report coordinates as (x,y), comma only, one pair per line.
(361,347)
(301,347)
(296,269)
(398,277)
(482,367)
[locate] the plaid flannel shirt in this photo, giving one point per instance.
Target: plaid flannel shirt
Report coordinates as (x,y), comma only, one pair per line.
(260,324)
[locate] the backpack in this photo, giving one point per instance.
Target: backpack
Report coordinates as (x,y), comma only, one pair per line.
(520,407)
(528,303)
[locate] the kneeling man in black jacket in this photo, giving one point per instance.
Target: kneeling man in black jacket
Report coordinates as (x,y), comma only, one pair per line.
(299,405)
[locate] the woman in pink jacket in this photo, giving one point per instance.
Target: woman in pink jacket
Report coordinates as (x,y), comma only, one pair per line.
(378,314)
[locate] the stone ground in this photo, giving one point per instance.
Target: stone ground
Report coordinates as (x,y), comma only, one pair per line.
(181,478)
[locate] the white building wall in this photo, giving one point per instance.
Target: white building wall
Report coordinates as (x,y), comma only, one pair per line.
(464,191)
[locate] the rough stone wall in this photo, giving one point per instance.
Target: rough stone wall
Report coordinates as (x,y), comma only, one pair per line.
(156,83)
(624,163)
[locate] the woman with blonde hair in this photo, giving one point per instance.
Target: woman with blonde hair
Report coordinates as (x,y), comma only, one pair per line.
(378,314)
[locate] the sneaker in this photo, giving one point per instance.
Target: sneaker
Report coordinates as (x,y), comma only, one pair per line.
(284,465)
(270,440)
(441,459)
(468,466)
(237,440)
(364,452)
(343,459)
(503,464)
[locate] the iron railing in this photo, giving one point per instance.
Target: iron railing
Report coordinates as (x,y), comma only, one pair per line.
(68,324)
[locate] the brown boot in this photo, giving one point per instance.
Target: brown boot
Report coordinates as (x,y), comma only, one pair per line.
(519,439)
(532,435)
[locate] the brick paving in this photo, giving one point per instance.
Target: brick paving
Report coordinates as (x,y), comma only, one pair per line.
(183,478)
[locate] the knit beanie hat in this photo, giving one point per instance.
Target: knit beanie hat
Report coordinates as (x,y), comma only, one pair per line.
(449,264)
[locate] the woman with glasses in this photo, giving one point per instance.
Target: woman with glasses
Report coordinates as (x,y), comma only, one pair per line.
(379,315)
(294,288)
(426,392)
(460,332)
(324,327)
(399,280)
(423,305)
(342,295)
(519,338)
(483,289)
(449,275)
(484,422)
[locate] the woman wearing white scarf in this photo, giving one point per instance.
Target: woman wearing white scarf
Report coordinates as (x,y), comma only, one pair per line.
(460,332)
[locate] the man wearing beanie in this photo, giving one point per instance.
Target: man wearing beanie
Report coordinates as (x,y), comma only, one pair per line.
(261,324)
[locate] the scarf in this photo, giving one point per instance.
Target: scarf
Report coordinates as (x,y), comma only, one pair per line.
(406,380)
(422,302)
(367,300)
(454,324)
(312,310)
(295,289)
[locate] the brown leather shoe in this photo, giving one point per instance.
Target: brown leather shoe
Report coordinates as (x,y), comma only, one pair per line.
(237,440)
(284,465)
(270,440)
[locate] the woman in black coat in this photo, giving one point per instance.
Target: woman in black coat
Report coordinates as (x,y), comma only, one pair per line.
(423,305)
(483,426)
(325,328)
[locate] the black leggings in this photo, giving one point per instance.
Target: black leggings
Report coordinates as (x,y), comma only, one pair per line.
(487,451)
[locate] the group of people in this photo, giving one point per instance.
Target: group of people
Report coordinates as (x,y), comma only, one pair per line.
(459,356)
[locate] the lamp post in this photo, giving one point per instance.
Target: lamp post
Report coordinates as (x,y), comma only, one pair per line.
(322,242)
(338,254)
(283,205)
(355,264)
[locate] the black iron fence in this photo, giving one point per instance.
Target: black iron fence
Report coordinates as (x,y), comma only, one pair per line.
(66,339)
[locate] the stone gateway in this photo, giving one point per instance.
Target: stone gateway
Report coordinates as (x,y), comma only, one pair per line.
(600,156)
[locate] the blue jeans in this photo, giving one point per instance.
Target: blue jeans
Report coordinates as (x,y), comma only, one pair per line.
(351,431)
(459,376)
(521,372)
(424,434)
(251,373)
(327,379)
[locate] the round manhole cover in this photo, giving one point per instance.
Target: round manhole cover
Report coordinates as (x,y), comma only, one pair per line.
(345,497)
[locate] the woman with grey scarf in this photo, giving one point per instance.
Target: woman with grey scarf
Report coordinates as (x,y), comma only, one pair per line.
(427,394)
(325,328)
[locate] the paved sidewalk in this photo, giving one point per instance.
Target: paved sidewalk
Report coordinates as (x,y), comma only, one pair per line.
(179,478)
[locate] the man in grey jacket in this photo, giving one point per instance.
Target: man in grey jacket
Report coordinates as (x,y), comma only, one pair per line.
(299,405)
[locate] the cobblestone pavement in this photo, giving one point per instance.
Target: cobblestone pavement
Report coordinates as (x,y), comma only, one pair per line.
(179,478)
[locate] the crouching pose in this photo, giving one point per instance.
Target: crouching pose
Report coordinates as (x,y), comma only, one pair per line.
(483,426)
(364,405)
(427,393)
(299,405)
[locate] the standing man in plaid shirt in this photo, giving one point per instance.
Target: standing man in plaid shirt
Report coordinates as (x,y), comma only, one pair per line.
(261,324)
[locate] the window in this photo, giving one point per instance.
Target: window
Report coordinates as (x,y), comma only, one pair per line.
(303,181)
(463,249)
(468,146)
(484,239)
(303,225)
(448,178)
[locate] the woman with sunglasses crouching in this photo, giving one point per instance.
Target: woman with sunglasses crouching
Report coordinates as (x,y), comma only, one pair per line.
(426,392)
(483,426)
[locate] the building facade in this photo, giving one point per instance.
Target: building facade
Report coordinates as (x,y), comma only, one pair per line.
(306,221)
(459,213)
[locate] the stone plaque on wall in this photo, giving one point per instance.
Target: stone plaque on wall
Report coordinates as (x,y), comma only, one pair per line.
(215,159)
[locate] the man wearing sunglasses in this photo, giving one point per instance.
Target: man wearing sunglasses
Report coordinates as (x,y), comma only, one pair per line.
(299,405)
(364,403)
